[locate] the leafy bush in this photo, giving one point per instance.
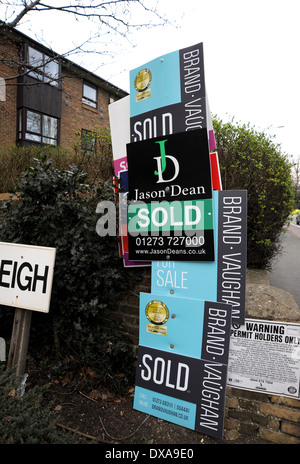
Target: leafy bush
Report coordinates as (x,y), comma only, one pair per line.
(97,164)
(250,160)
(57,208)
(25,417)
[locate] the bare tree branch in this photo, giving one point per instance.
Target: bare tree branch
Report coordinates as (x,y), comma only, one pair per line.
(25,10)
(107,17)
(102,11)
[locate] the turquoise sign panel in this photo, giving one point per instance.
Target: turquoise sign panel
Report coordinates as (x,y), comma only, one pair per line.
(165,407)
(181,333)
(155,84)
(223,280)
(167,95)
(188,279)
(187,327)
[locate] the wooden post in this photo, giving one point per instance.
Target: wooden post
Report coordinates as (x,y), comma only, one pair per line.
(19,341)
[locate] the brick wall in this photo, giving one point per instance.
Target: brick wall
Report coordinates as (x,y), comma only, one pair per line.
(270,417)
(8,108)
(77,115)
(127,310)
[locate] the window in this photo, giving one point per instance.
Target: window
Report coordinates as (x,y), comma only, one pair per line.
(33,126)
(38,127)
(89,95)
(49,131)
(42,67)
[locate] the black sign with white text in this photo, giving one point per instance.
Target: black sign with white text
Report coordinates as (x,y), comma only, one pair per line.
(216,332)
(232,251)
(170,211)
(198,387)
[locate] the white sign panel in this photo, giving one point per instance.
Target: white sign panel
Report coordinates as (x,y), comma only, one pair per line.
(264,356)
(119,117)
(26,274)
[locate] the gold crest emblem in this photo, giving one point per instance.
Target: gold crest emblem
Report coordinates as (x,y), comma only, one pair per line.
(157,312)
(141,84)
(142,80)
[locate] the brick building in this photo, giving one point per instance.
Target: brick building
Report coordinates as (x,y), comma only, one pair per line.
(45,98)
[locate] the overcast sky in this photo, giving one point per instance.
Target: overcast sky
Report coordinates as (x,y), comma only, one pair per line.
(251,53)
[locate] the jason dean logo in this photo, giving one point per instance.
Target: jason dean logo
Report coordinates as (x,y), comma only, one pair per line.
(162,163)
(175,166)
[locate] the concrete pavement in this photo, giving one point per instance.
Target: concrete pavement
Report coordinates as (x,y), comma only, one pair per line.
(285,273)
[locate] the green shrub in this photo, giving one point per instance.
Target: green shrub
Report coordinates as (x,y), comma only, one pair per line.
(250,160)
(57,208)
(25,416)
(97,164)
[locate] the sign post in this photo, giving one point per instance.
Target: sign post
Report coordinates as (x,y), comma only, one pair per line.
(19,341)
(26,274)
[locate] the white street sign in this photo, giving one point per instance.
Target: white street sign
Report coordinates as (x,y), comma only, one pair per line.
(26,274)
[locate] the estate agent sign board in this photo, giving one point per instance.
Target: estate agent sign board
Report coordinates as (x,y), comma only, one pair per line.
(167,95)
(182,361)
(170,212)
(172,208)
(169,160)
(192,232)
(224,279)
(119,116)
